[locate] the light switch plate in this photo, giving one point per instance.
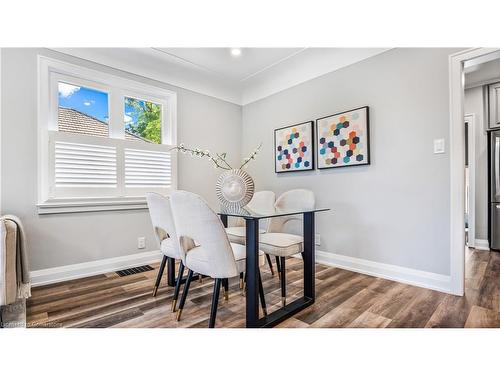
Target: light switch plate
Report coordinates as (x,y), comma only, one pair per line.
(141,242)
(439,146)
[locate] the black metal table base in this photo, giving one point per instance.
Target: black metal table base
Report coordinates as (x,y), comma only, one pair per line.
(252,266)
(284,313)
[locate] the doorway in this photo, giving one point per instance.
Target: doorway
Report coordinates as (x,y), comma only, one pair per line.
(457,156)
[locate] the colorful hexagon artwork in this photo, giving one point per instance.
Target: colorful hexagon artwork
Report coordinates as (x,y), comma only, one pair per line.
(293,147)
(344,139)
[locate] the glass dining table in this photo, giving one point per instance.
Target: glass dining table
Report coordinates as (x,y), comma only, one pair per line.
(252,263)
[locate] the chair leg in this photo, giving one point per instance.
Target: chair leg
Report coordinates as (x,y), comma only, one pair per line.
(241,280)
(215,303)
(278,266)
(262,297)
(244,291)
(177,286)
(283,281)
(270,264)
(184,294)
(225,284)
(160,274)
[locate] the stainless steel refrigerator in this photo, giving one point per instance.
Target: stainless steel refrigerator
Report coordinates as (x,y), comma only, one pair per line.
(494,189)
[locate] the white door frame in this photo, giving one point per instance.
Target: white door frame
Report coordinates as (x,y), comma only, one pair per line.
(457,186)
(0,131)
(471,120)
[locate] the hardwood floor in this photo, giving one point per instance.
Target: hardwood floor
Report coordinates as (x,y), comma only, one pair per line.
(343,299)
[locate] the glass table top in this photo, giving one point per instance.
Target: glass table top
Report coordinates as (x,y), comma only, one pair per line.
(246,213)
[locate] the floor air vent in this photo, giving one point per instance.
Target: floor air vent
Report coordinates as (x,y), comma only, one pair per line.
(134,270)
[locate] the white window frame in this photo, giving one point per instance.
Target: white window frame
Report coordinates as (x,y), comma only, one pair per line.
(50,72)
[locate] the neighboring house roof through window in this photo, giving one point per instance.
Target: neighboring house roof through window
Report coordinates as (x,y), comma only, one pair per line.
(73,121)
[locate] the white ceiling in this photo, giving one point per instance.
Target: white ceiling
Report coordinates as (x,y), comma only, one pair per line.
(220,61)
(255,74)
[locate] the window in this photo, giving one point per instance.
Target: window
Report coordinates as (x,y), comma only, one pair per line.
(104,140)
(142,120)
(82,110)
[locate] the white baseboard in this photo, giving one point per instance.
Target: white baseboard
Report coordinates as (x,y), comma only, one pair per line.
(387,271)
(405,275)
(480,244)
(79,270)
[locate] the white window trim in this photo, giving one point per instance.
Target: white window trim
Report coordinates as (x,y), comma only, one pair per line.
(47,67)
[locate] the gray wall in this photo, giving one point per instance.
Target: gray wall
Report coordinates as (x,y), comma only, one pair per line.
(396,210)
(63,239)
(474,104)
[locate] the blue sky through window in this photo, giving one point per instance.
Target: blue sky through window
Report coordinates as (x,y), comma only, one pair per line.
(131,113)
(89,101)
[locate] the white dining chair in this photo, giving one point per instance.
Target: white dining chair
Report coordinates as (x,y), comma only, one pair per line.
(164,228)
(207,249)
(262,202)
(284,236)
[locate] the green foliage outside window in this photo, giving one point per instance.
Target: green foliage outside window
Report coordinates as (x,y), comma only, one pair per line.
(145,119)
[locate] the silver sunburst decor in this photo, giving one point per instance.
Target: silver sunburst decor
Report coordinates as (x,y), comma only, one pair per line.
(234,188)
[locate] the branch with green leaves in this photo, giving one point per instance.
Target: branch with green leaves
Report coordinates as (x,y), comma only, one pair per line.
(219,160)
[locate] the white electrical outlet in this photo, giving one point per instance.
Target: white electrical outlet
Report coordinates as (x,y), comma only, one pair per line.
(439,146)
(141,242)
(317,239)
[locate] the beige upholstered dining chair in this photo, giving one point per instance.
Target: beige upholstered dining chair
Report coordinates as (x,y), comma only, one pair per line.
(163,224)
(284,235)
(213,255)
(262,202)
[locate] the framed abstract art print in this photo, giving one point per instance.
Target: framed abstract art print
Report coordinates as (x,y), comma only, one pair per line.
(343,139)
(294,148)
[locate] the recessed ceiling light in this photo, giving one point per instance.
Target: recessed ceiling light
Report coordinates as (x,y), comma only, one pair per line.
(236,51)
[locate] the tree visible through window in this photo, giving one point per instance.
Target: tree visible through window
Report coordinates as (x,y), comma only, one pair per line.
(104,139)
(143,119)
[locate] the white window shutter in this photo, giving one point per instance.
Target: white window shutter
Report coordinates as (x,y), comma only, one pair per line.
(147,169)
(84,165)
